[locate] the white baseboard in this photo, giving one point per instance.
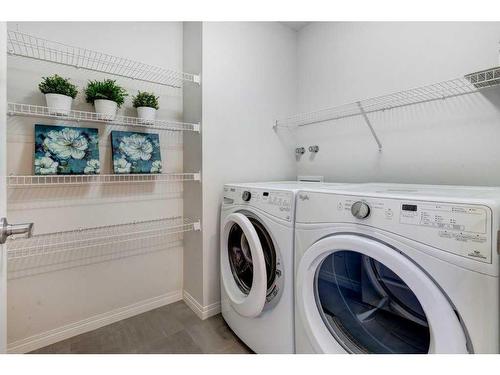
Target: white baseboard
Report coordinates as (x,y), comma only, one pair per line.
(203,312)
(50,337)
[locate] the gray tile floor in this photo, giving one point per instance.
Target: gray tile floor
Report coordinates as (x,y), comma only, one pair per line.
(171,329)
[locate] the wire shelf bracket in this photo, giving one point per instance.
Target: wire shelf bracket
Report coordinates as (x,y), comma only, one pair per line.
(367,120)
(19,109)
(33,47)
(469,84)
(197,176)
(97,179)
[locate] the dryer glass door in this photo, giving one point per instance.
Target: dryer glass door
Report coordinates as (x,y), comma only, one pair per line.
(248,263)
(359,295)
(369,307)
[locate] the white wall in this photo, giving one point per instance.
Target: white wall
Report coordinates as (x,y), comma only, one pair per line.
(59,291)
(249,79)
(193,156)
(449,142)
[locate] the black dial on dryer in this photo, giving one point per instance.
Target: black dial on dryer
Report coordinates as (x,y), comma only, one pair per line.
(246,195)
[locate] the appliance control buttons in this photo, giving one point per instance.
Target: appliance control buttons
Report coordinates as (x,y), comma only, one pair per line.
(360,210)
(246,196)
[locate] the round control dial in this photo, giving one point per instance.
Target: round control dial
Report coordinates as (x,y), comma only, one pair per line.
(360,210)
(246,195)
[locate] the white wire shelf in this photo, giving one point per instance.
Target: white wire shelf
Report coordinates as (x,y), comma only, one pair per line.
(84,238)
(18,109)
(469,84)
(33,47)
(58,180)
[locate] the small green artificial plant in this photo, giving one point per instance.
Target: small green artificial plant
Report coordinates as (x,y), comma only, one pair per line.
(58,85)
(107,89)
(146,99)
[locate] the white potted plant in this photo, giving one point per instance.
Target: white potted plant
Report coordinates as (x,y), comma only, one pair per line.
(59,94)
(106,96)
(147,105)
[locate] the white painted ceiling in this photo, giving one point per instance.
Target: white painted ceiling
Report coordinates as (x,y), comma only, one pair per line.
(295,25)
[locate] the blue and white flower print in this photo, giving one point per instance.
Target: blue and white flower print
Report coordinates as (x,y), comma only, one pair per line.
(66,143)
(66,150)
(93,167)
(121,165)
(136,147)
(136,152)
(156,167)
(45,165)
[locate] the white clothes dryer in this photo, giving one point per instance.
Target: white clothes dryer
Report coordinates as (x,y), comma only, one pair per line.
(387,268)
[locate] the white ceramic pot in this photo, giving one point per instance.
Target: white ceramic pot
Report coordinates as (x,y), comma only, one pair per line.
(146,113)
(58,104)
(105,108)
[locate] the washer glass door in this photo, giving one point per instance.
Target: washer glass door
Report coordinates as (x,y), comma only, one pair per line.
(240,256)
(248,263)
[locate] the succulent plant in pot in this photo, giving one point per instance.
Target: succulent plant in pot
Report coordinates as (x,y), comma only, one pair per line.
(147,105)
(59,94)
(106,96)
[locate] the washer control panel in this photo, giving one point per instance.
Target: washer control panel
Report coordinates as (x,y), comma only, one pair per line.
(275,202)
(462,229)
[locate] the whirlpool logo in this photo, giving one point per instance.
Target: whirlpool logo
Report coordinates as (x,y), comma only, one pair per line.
(476,254)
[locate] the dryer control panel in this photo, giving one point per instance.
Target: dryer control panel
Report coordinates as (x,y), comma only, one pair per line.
(275,202)
(463,225)
(461,229)
(445,217)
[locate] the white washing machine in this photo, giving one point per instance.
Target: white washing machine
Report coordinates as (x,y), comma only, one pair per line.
(257,226)
(386,268)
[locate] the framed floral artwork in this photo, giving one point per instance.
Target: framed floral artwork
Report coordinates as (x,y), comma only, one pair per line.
(136,152)
(66,150)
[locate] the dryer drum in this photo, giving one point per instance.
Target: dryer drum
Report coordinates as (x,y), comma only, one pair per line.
(368,308)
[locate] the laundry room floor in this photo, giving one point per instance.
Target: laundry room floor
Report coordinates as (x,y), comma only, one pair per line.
(170,329)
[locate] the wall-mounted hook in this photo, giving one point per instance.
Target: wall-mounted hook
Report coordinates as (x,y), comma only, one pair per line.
(314,149)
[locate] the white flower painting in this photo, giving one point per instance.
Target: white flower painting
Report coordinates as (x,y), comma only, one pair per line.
(93,167)
(121,165)
(136,152)
(66,143)
(136,147)
(45,165)
(156,167)
(66,150)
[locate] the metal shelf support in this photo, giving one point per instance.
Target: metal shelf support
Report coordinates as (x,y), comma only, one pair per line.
(367,120)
